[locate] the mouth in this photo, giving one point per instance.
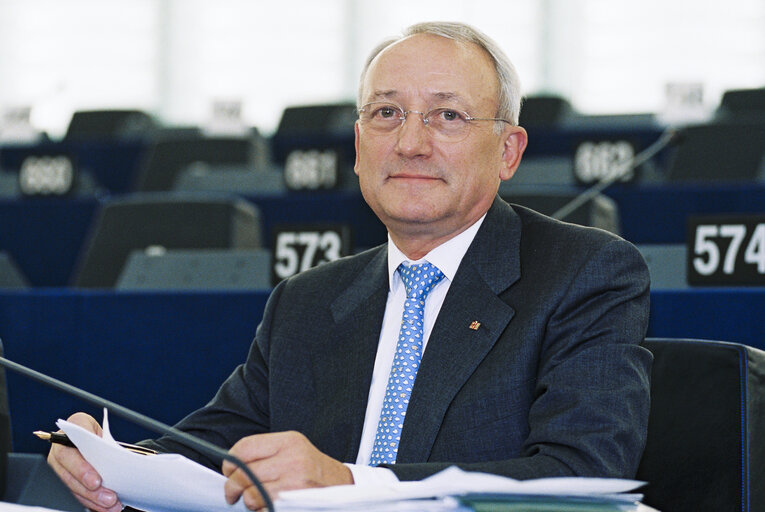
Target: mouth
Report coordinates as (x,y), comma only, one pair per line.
(413,177)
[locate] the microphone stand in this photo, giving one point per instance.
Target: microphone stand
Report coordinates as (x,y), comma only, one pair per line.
(667,138)
(193,442)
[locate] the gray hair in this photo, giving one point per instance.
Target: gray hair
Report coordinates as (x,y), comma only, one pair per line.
(509,99)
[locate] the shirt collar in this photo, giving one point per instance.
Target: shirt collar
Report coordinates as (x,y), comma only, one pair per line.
(447,256)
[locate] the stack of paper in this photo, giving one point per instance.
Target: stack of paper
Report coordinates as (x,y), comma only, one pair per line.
(454,489)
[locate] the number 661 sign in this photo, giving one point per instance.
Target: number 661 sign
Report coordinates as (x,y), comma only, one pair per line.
(726,250)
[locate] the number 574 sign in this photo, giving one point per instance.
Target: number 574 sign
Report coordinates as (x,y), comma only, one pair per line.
(726,250)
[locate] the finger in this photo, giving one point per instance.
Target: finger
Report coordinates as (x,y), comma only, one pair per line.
(252,448)
(71,461)
(253,500)
(100,498)
(87,422)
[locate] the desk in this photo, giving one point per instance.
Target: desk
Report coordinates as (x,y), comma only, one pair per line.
(44,236)
(152,351)
(657,213)
(114,164)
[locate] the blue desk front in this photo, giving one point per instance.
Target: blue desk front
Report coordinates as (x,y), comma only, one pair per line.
(164,354)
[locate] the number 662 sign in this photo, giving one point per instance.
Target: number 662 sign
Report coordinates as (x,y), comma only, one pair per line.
(726,250)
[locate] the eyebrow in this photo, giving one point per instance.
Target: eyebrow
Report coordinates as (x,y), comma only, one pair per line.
(384,94)
(439,96)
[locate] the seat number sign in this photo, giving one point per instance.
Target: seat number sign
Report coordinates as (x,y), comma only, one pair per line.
(726,250)
(296,248)
(46,175)
(596,161)
(311,169)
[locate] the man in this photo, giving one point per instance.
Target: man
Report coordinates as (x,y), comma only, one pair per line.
(523,339)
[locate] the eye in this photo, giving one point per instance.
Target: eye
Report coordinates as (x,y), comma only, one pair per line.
(449,115)
(386,112)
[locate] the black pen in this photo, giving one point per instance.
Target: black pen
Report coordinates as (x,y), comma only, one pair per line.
(62,439)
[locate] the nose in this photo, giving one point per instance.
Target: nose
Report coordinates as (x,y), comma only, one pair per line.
(413,136)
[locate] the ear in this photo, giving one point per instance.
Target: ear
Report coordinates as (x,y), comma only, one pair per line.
(515,140)
(356,145)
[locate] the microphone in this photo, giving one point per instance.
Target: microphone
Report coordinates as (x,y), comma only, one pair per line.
(670,136)
(187,439)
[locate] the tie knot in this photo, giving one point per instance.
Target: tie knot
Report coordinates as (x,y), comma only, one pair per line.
(419,279)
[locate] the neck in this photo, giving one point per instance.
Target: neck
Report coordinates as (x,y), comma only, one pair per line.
(417,246)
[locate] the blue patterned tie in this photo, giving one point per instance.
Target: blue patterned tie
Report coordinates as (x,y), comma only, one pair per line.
(418,280)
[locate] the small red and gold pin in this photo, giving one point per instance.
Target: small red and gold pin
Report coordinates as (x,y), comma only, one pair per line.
(475,325)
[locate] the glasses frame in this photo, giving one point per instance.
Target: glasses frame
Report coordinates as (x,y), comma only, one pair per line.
(402,116)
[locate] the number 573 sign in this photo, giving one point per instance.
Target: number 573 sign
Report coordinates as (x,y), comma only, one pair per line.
(726,250)
(298,247)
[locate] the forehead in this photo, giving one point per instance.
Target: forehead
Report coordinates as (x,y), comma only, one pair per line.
(430,67)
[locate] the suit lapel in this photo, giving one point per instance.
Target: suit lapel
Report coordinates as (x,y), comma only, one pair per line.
(458,344)
(358,314)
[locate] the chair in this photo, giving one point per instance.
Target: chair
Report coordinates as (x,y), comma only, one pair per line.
(163,221)
(197,269)
(167,157)
(666,264)
(545,170)
(742,103)
(6,444)
(25,478)
(322,119)
(705,449)
(109,124)
(322,127)
(544,110)
(232,179)
(718,152)
(600,212)
(10,275)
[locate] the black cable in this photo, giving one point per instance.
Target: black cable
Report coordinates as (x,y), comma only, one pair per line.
(193,442)
(668,137)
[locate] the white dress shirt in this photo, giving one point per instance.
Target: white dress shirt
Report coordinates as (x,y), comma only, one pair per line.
(447,257)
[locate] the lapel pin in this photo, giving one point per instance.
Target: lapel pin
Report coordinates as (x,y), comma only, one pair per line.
(475,325)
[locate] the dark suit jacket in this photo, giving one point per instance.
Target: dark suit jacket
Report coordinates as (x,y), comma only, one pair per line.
(551,383)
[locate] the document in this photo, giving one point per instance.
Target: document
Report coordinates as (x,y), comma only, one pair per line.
(454,489)
(154,483)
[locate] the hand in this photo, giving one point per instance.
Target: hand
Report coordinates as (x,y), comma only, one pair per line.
(282,461)
(78,475)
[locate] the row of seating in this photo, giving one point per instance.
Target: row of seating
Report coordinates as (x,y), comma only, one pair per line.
(187,160)
(727,148)
(157,222)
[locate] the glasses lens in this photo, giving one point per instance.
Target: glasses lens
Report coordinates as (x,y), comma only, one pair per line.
(448,124)
(382,117)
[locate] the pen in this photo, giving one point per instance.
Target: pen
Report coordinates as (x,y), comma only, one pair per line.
(62,439)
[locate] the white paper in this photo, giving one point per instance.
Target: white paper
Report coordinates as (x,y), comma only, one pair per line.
(154,483)
(451,482)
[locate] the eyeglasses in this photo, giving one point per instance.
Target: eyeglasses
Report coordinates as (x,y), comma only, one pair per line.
(445,124)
